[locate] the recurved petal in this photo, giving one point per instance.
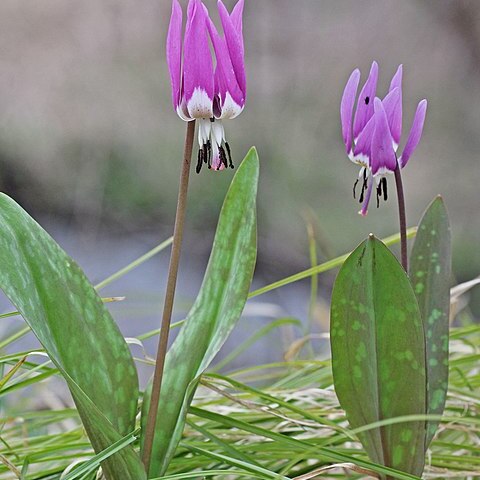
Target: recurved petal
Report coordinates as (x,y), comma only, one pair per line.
(393,107)
(363,147)
(397,79)
(365,102)
(198,82)
(234,44)
(396,128)
(174,52)
(383,157)
(229,98)
(237,19)
(415,133)
(346,108)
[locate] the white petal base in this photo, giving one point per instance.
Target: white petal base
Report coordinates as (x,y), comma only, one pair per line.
(200,105)
(230,109)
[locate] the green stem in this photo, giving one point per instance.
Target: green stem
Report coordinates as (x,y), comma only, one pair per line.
(402,218)
(169,297)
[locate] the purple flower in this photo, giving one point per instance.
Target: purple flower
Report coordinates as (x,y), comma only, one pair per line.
(372,138)
(200,91)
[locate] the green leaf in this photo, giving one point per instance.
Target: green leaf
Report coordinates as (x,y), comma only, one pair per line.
(217,308)
(378,355)
(64,311)
(430,272)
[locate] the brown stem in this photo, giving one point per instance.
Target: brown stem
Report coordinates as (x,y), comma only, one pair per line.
(402,217)
(169,297)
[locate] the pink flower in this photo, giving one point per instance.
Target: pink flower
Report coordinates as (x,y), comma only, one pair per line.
(372,140)
(198,90)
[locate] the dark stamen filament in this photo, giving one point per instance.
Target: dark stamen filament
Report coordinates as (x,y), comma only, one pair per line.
(205,153)
(223,157)
(229,153)
(385,192)
(362,194)
(209,154)
(355,188)
(199,161)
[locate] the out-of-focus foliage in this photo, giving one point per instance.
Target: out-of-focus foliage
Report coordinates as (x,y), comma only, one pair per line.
(87,128)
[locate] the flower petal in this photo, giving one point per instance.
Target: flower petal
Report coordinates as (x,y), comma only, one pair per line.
(346,108)
(415,133)
(237,19)
(362,149)
(198,65)
(229,99)
(397,79)
(174,51)
(393,108)
(365,102)
(234,43)
(383,157)
(395,119)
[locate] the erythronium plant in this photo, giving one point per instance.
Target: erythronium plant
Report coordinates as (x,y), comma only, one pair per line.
(389,330)
(207,95)
(373,135)
(200,92)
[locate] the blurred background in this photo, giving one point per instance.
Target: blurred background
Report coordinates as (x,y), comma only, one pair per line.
(91,147)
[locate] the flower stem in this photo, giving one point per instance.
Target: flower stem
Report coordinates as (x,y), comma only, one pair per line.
(402,217)
(169,297)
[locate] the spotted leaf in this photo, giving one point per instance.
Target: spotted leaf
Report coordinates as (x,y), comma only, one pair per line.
(430,271)
(378,355)
(217,308)
(68,317)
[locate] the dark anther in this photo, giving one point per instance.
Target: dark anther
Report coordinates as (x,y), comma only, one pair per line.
(212,119)
(379,192)
(365,180)
(209,154)
(362,194)
(385,192)
(223,157)
(355,188)
(367,100)
(205,153)
(229,153)
(199,161)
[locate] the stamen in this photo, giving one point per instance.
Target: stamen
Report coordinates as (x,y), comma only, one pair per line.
(209,154)
(223,157)
(385,193)
(205,153)
(229,153)
(365,180)
(355,188)
(367,100)
(379,192)
(362,194)
(199,161)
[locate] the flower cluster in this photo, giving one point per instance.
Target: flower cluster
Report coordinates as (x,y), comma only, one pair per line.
(199,90)
(372,137)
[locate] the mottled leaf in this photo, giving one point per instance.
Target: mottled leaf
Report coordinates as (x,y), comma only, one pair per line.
(69,318)
(217,308)
(430,271)
(378,355)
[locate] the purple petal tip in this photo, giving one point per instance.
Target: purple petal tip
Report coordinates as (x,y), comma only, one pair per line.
(346,108)
(415,133)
